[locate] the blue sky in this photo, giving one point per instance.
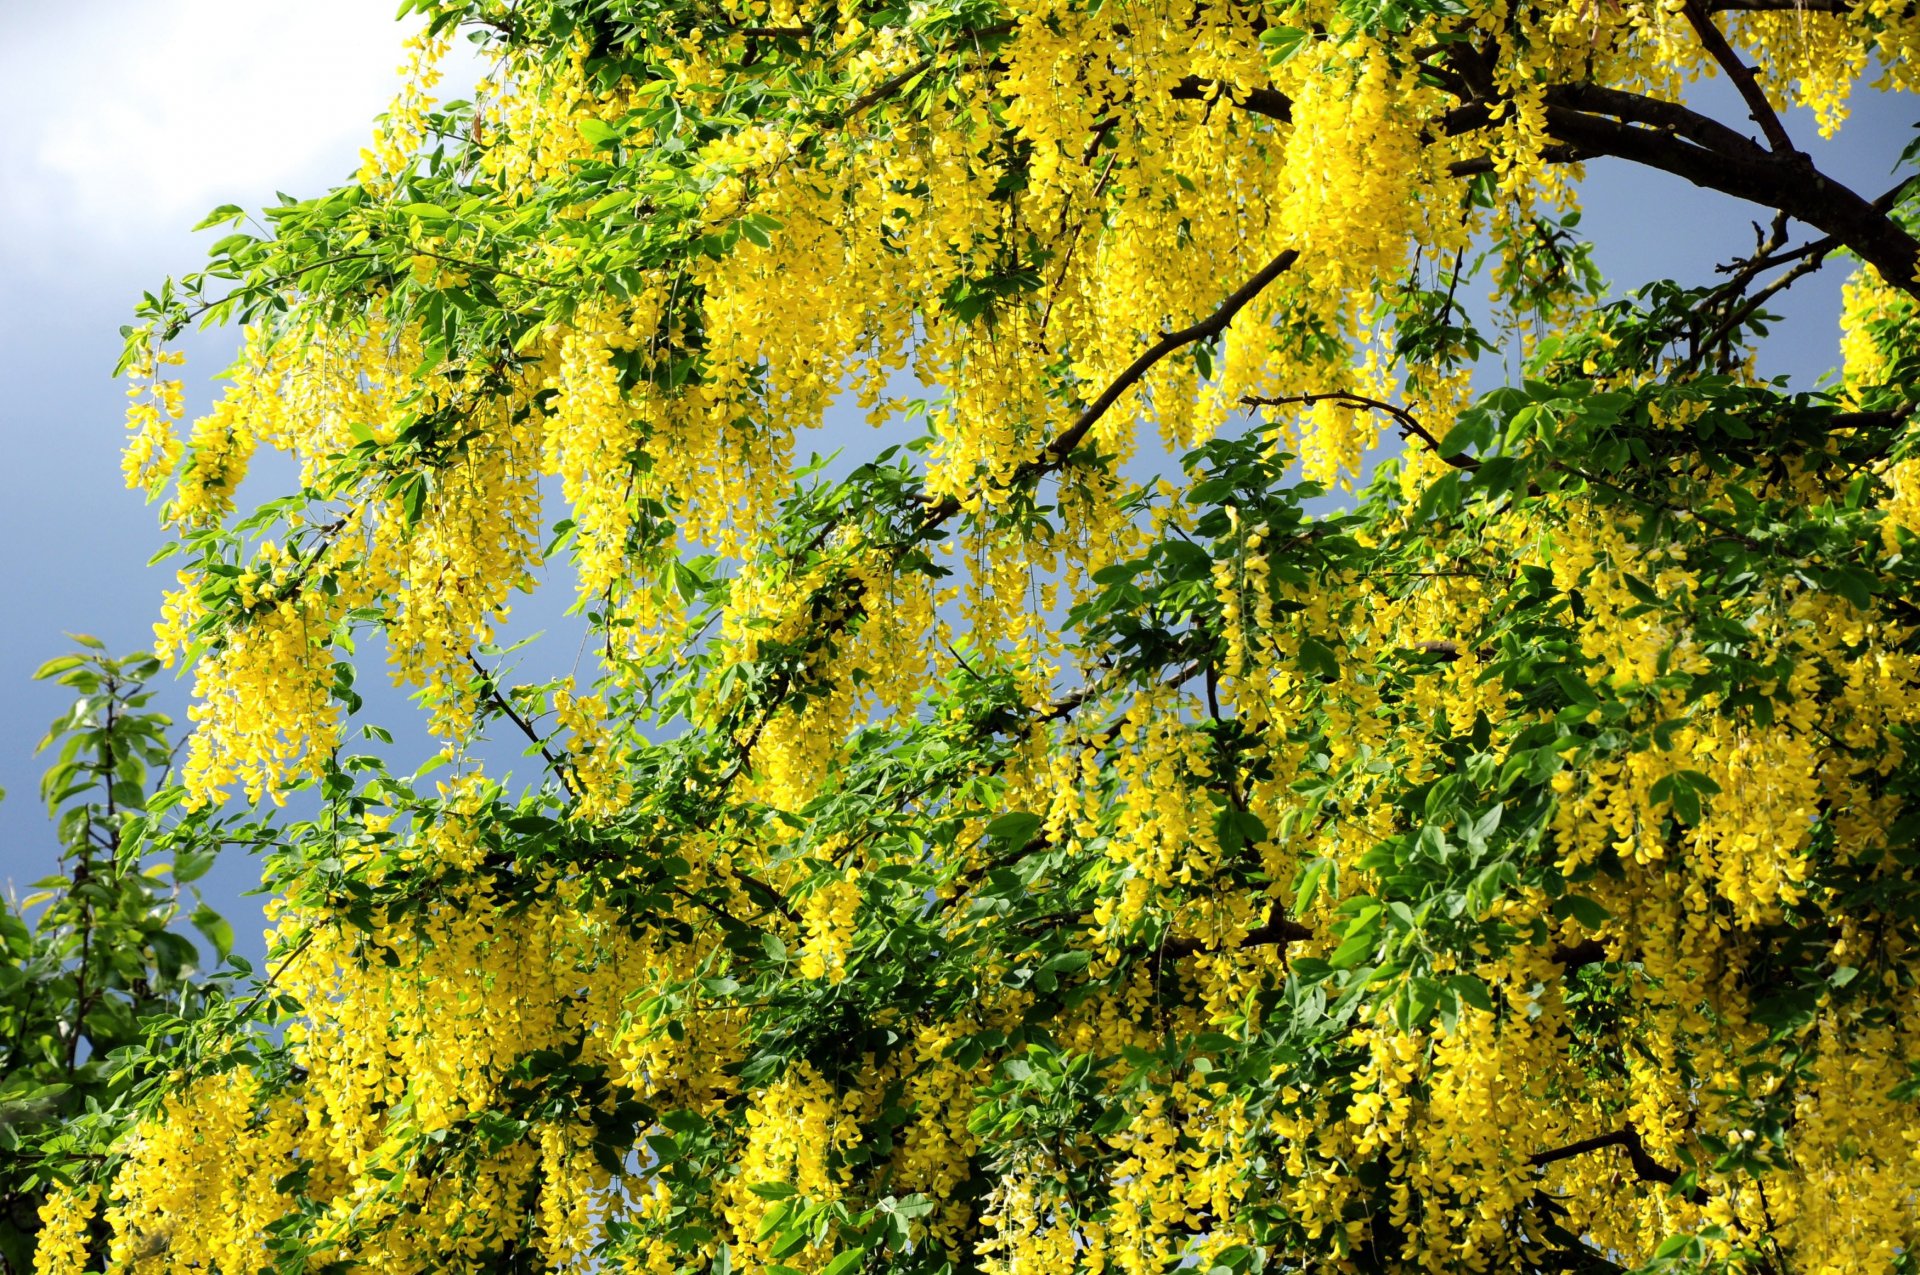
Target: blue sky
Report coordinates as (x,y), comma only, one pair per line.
(122,122)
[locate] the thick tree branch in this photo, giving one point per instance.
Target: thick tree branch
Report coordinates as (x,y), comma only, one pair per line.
(1742,76)
(1659,115)
(1271,103)
(1627,1139)
(1578,116)
(1588,121)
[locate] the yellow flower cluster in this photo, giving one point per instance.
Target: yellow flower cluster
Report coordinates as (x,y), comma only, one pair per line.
(61,1247)
(828,913)
(154,408)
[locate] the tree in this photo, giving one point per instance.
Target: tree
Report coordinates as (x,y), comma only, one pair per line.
(985,857)
(92,965)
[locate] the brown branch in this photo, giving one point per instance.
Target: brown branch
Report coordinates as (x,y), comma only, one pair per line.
(1742,76)
(885,89)
(1663,117)
(1575,956)
(1409,424)
(1673,140)
(1269,102)
(1872,420)
(1812,258)
(490,684)
(1627,1139)
(774,900)
(708,906)
(1212,326)
(1056,454)
(1278,930)
(1769,251)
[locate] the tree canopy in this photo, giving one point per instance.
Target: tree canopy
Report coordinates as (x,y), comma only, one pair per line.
(1062,838)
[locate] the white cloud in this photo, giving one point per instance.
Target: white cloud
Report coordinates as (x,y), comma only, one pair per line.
(121,120)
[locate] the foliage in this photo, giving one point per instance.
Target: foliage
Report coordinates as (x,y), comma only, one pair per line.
(91,959)
(1014,853)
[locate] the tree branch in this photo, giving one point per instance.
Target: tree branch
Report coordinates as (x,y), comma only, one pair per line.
(1682,142)
(1409,424)
(1269,102)
(1213,325)
(1574,956)
(1743,78)
(490,685)
(1278,930)
(1056,453)
(1780,6)
(1587,120)
(1627,1138)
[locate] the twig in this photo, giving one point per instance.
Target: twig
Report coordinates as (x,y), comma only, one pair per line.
(490,683)
(1408,422)
(1068,441)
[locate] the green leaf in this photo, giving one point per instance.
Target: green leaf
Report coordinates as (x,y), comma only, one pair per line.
(599,132)
(1470,990)
(58,665)
(1317,657)
(216,929)
(1311,875)
(221,216)
(1282,42)
(192,863)
(844,1261)
(1360,941)
(1581,909)
(913,1206)
(1015,828)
